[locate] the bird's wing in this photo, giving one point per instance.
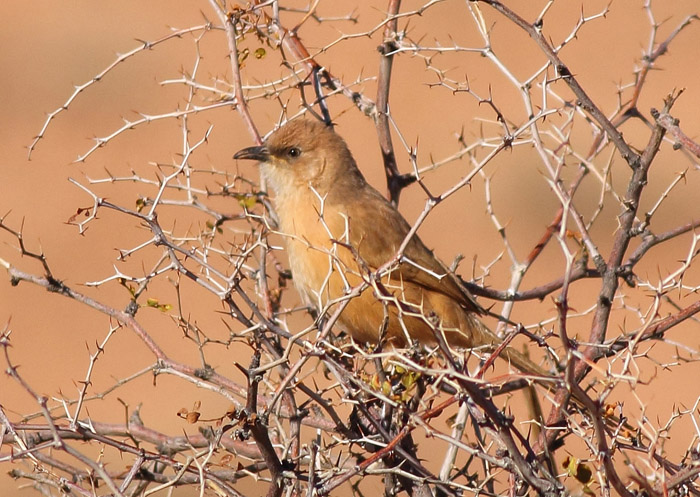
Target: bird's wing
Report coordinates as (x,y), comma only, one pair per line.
(377,230)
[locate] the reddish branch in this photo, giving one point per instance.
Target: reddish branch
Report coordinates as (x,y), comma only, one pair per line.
(670,124)
(230,21)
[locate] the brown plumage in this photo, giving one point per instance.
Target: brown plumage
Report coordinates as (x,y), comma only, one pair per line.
(338,227)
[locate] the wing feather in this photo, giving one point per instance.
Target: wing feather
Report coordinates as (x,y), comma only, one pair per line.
(378,242)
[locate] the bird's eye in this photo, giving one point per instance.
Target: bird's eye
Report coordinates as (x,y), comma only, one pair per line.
(294,152)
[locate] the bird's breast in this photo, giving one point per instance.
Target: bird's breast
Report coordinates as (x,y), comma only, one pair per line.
(322,269)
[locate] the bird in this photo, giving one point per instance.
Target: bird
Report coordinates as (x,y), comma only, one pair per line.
(343,234)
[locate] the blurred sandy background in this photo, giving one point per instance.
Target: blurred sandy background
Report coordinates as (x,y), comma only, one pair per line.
(47,47)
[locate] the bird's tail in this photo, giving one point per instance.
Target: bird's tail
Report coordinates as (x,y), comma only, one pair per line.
(483,334)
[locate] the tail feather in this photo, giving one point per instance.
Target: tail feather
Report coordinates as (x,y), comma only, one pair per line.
(483,334)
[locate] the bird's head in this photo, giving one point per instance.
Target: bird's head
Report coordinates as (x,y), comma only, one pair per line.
(303,153)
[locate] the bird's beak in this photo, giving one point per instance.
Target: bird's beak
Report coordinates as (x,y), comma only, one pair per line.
(259,153)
